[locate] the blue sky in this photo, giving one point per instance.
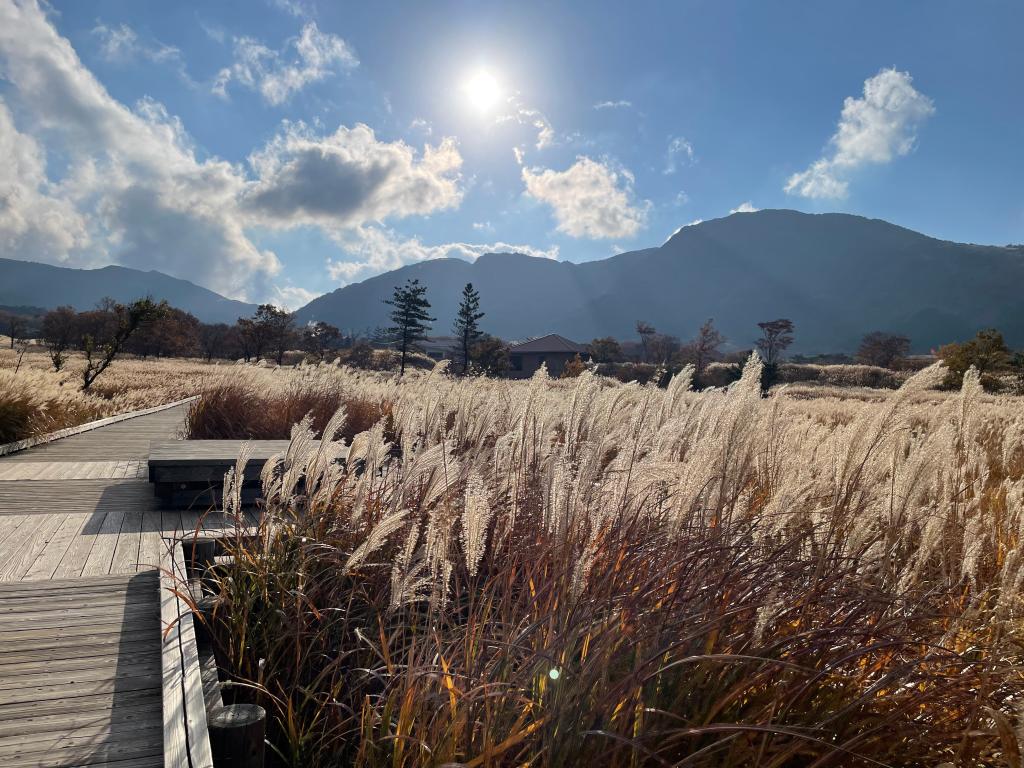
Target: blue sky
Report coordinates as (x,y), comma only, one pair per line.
(277,150)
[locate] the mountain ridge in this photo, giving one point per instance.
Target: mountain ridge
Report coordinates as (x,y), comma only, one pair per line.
(837,276)
(50,286)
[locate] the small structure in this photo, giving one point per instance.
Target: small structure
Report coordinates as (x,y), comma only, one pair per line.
(439,347)
(551,350)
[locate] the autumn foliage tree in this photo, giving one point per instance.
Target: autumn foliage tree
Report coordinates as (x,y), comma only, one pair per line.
(987,352)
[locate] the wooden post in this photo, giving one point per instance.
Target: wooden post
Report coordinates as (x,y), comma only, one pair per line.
(236,736)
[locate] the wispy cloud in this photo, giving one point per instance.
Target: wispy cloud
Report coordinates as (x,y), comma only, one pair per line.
(873,129)
(120,44)
(311,57)
(620,104)
(680,151)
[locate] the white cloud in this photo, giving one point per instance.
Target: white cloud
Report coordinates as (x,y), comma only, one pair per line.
(349,178)
(589,199)
(121,44)
(679,149)
(681,198)
(371,250)
(292,297)
(133,190)
(620,104)
(873,129)
(309,58)
(34,219)
(675,232)
(483,226)
(745,207)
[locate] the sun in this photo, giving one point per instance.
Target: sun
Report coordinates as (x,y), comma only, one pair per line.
(482,90)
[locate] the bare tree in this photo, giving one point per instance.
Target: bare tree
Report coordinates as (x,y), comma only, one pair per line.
(213,339)
(319,337)
(663,348)
(704,348)
(776,336)
(100,353)
(646,332)
(882,349)
(60,328)
(15,326)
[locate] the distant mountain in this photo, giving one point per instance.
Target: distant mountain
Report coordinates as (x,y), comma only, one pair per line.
(44,285)
(836,276)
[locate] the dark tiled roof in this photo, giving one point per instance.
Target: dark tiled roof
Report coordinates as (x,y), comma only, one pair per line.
(546,344)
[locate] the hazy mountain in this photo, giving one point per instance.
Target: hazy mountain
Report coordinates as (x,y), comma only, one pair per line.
(836,276)
(44,285)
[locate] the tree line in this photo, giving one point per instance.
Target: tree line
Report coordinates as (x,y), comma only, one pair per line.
(146,328)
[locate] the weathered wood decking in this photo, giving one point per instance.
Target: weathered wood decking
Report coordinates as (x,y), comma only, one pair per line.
(80,673)
(81,537)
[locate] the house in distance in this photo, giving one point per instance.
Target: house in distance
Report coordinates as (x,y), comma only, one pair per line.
(527,356)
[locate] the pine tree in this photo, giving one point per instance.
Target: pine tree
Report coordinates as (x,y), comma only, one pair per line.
(466,327)
(409,316)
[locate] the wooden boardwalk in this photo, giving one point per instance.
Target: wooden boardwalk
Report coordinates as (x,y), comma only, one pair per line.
(80,673)
(81,536)
(122,441)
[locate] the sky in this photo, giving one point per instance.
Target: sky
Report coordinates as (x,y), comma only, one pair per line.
(274,150)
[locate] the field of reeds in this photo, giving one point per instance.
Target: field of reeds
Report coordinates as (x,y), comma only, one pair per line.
(35,399)
(580,572)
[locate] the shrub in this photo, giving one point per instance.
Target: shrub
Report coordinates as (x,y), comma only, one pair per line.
(239,408)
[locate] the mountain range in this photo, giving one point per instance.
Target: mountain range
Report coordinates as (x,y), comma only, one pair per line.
(45,285)
(836,276)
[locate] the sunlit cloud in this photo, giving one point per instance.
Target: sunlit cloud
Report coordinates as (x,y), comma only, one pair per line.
(589,199)
(873,129)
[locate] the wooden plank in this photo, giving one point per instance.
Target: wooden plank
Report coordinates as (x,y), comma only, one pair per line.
(97,703)
(184,453)
(78,750)
(102,553)
(129,541)
(75,496)
(15,670)
(53,553)
(101,584)
(185,738)
(19,545)
(70,721)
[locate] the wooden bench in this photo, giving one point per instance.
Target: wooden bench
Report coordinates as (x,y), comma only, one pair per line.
(190,473)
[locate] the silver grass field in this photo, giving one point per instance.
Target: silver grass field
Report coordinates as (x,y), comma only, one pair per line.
(559,572)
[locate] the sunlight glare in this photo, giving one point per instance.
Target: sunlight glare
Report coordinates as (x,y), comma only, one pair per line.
(482,90)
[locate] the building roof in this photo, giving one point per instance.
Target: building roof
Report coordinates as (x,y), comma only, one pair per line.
(547,344)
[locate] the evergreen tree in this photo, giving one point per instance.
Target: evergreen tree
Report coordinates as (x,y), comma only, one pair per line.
(409,316)
(466,327)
